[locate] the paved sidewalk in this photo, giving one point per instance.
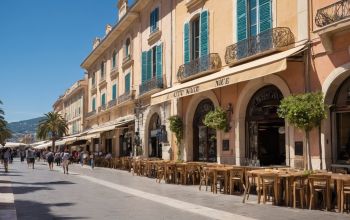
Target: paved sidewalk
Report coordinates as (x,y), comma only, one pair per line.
(7,201)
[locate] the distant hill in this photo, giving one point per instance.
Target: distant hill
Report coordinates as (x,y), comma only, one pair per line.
(22,128)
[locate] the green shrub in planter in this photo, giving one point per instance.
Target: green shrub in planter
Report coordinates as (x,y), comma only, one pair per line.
(216,119)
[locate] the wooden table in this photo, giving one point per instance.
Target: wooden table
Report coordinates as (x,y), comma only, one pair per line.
(216,171)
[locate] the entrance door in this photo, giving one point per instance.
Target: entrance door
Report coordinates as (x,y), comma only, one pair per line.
(155,146)
(265,130)
(204,138)
(109,146)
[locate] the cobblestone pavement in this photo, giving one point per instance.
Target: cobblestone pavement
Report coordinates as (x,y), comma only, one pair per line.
(114,194)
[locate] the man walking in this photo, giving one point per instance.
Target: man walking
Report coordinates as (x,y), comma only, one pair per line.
(65,161)
(7,158)
(30,157)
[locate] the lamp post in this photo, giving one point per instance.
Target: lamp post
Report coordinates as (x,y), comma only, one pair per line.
(138,112)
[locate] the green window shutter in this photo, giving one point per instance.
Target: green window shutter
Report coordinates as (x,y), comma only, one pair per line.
(93,104)
(265,18)
(103,99)
(151,21)
(144,67)
(186,42)
(114,91)
(127,82)
(149,65)
(159,70)
(204,33)
(241,20)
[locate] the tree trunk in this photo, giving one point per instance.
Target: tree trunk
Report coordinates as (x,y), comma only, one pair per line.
(308,154)
(53,144)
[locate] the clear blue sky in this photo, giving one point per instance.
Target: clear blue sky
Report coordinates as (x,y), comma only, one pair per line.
(42,44)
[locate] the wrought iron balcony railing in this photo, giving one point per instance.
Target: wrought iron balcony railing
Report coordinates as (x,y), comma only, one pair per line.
(154,83)
(128,95)
(272,40)
(199,67)
(332,13)
(112,103)
(89,114)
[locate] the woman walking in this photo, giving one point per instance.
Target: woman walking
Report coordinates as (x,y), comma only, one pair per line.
(65,161)
(7,158)
(58,158)
(92,162)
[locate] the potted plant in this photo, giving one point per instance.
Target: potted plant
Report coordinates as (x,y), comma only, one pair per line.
(304,111)
(216,119)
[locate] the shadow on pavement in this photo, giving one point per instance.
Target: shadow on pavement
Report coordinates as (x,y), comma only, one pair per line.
(33,210)
(23,189)
(43,183)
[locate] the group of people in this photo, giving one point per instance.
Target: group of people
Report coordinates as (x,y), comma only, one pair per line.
(58,157)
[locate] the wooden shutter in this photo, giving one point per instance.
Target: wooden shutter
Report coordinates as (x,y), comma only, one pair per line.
(186,42)
(241,20)
(93,104)
(149,65)
(144,67)
(159,70)
(114,91)
(265,18)
(127,82)
(204,33)
(103,99)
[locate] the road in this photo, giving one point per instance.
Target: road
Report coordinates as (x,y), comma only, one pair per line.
(115,194)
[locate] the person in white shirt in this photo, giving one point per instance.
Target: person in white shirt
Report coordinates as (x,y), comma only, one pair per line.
(65,161)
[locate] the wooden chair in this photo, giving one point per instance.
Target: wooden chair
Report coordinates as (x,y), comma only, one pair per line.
(179,174)
(251,181)
(160,171)
(300,183)
(236,177)
(320,183)
(267,183)
(206,177)
(345,195)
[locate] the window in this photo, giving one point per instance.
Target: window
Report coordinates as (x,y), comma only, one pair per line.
(127,83)
(152,63)
(253,17)
(114,91)
(154,18)
(102,70)
(195,39)
(127,47)
(103,99)
(114,60)
(93,104)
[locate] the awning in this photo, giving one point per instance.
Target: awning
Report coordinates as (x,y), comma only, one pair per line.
(43,146)
(65,140)
(228,76)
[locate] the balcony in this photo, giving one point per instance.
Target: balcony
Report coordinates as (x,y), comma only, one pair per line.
(333,13)
(127,61)
(267,42)
(127,96)
(332,19)
(89,114)
(154,36)
(93,88)
(114,73)
(112,103)
(102,108)
(199,67)
(153,84)
(103,81)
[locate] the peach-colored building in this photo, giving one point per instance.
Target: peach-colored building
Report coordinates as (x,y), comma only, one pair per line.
(243,56)
(330,73)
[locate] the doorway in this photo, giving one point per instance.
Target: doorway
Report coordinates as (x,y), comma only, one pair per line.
(204,138)
(265,130)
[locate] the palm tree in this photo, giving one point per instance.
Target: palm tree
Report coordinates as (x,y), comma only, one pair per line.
(53,126)
(5,133)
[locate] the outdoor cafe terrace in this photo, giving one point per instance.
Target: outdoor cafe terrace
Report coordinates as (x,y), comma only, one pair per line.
(280,186)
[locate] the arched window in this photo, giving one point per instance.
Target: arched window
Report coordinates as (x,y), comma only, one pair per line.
(341,118)
(102,69)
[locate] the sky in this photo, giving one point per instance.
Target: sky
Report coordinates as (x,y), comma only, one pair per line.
(42,44)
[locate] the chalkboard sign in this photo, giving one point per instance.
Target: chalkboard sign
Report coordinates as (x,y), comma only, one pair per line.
(299,148)
(225,145)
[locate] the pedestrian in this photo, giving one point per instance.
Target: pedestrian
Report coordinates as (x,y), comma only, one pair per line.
(81,158)
(58,158)
(50,158)
(30,157)
(22,154)
(7,158)
(92,163)
(65,161)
